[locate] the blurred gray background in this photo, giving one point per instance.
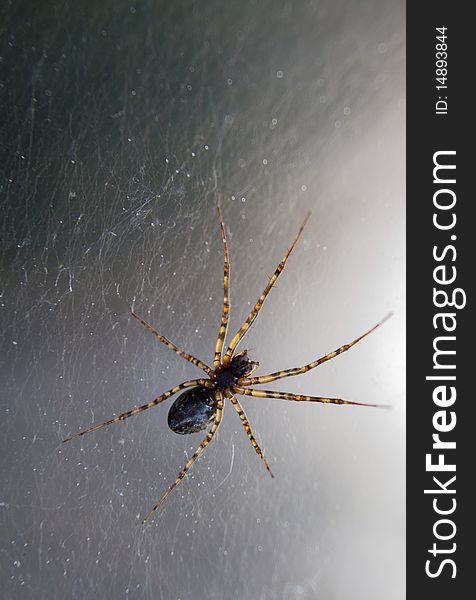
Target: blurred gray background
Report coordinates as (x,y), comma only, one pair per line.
(123,125)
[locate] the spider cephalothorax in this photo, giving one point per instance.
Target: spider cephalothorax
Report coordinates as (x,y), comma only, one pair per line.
(239,367)
(202,405)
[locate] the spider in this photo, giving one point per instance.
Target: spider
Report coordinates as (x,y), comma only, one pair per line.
(202,405)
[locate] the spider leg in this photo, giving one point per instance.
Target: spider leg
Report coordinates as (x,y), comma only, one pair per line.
(297,397)
(308,367)
(254,313)
(139,409)
(168,343)
(226,300)
(244,421)
(198,451)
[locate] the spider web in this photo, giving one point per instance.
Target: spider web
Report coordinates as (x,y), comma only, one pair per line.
(124,125)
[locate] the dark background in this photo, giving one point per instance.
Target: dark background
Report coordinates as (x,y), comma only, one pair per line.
(123,125)
(429,133)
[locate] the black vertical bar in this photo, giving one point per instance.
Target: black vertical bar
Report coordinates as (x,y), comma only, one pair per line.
(431,128)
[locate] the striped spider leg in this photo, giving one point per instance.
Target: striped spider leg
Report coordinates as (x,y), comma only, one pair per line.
(138,409)
(168,343)
(246,391)
(208,438)
(226,299)
(312,365)
(244,421)
(257,307)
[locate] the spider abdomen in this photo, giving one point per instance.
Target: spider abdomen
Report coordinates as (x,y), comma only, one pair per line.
(192,411)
